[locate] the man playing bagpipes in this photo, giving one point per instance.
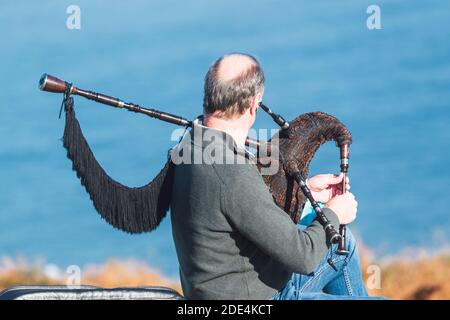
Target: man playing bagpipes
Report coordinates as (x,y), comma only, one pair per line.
(241,231)
(232,240)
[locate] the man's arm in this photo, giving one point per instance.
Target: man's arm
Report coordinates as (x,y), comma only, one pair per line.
(249,205)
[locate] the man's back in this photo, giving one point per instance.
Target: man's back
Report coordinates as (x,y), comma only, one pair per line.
(222,219)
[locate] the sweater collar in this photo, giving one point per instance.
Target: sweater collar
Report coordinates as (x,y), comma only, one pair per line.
(220,137)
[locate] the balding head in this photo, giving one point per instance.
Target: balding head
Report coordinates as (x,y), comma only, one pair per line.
(234,65)
(230,85)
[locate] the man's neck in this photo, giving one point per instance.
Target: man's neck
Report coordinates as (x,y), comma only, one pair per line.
(234,128)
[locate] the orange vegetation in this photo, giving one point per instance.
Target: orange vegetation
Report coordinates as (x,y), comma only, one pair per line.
(113,273)
(425,278)
(422,279)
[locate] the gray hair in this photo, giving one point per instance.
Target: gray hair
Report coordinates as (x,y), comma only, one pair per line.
(230,98)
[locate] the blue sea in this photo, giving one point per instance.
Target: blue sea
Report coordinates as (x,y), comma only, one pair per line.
(390,86)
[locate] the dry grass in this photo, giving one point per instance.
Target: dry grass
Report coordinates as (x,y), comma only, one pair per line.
(113,273)
(116,273)
(424,278)
(421,277)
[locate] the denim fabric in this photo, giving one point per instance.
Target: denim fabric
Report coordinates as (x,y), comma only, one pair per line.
(326,283)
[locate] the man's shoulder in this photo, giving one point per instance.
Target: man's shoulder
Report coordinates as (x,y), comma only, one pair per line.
(230,174)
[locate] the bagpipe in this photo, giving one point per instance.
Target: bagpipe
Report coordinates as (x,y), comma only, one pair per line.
(141,209)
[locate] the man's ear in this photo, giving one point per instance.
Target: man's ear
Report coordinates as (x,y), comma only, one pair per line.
(255,104)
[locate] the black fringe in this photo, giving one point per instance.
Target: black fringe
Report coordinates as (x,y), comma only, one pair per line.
(133,210)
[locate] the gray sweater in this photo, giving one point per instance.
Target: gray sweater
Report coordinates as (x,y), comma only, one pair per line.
(232,240)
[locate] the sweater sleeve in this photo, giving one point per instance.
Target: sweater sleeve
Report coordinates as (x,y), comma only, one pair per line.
(249,205)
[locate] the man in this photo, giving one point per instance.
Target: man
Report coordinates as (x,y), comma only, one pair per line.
(232,240)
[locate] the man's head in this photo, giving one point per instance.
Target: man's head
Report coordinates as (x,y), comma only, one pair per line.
(234,86)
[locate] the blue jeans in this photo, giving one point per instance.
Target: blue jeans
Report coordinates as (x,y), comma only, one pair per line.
(326,283)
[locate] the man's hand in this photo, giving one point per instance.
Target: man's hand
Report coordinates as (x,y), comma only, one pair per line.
(325,186)
(345,207)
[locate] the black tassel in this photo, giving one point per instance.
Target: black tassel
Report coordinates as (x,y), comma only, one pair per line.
(133,210)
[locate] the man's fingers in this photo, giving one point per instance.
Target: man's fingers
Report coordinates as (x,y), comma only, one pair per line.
(334,179)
